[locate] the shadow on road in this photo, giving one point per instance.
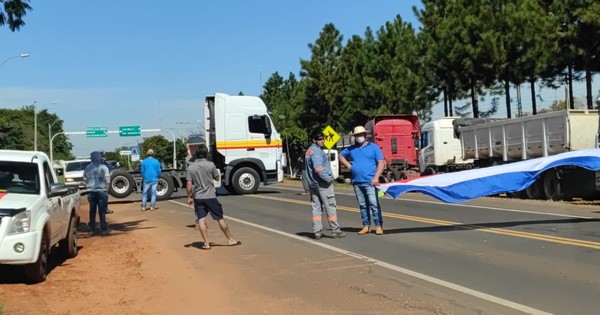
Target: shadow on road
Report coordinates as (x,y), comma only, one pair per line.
(122,227)
(480,226)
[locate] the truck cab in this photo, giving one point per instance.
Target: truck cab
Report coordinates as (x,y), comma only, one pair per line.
(441,149)
(398,136)
(243,142)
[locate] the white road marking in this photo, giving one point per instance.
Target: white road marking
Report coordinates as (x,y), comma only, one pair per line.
(446,284)
(459,205)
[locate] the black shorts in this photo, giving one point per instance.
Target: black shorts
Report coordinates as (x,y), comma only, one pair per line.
(205,206)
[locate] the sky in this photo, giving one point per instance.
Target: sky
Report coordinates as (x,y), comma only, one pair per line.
(151,63)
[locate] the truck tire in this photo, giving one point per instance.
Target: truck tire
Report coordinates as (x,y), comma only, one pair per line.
(68,246)
(165,187)
(535,190)
(37,271)
(121,184)
(245,181)
(552,186)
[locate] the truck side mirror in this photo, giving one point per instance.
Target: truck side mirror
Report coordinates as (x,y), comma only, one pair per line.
(268,129)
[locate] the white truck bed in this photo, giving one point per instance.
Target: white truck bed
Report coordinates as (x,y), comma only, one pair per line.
(531,136)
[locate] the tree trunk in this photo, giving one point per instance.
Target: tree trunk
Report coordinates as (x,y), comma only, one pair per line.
(450,110)
(474,102)
(445,102)
(570,82)
(588,88)
(507,94)
(533,100)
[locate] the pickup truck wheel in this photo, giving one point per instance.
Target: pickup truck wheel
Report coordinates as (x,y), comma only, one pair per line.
(245,181)
(37,272)
(121,184)
(165,187)
(68,246)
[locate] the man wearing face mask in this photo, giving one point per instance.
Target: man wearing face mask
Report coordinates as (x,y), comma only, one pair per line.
(319,177)
(366,165)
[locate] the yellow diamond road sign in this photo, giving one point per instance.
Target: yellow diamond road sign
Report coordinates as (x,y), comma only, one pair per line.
(331,137)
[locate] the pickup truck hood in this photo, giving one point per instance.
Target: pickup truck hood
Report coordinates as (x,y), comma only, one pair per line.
(16,201)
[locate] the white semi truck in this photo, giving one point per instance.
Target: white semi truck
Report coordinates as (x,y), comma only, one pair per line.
(488,143)
(243,144)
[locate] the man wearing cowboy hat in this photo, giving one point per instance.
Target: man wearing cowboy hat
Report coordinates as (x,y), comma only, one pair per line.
(366,167)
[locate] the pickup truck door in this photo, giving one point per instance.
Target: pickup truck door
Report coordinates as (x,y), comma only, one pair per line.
(55,208)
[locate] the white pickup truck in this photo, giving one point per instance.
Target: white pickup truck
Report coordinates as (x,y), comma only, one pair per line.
(37,213)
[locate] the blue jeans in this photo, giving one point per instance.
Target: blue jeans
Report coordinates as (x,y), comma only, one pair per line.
(97,201)
(366,195)
(152,186)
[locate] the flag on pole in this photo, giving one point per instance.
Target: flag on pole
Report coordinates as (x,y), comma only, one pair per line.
(465,185)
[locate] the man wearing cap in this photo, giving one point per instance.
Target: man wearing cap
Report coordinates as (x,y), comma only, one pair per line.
(150,173)
(319,177)
(366,165)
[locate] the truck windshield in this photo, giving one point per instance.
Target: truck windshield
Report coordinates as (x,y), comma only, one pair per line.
(76,166)
(19,177)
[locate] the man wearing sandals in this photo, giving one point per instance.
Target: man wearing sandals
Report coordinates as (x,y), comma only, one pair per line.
(202,195)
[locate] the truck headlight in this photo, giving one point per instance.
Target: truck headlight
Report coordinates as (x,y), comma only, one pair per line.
(20,223)
(69,180)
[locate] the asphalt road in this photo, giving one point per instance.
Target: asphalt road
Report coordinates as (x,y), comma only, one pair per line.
(492,255)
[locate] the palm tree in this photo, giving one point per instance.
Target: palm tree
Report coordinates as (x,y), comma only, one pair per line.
(12,13)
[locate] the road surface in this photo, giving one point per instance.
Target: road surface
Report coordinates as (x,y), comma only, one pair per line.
(490,256)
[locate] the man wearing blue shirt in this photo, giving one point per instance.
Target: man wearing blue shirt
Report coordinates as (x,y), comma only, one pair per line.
(366,165)
(150,173)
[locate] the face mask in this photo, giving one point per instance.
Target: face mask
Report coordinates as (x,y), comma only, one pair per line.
(360,140)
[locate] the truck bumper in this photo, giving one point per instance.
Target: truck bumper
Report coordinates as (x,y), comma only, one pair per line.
(30,242)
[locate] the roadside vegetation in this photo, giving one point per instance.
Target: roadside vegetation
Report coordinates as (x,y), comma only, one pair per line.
(475,50)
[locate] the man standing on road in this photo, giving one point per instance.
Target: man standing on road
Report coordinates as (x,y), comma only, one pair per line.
(150,173)
(319,177)
(366,167)
(202,195)
(96,177)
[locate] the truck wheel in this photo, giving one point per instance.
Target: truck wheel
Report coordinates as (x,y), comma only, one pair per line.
(534,191)
(68,246)
(552,186)
(245,181)
(429,171)
(121,184)
(165,187)
(37,272)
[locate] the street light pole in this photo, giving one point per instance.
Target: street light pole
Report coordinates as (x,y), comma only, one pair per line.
(35,124)
(50,136)
(12,57)
(287,144)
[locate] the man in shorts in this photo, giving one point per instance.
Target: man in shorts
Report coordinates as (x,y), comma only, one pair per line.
(202,195)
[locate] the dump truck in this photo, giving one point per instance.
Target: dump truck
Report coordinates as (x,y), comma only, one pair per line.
(489,143)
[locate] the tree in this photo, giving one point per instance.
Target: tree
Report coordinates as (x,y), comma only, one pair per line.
(324,92)
(13,12)
(163,149)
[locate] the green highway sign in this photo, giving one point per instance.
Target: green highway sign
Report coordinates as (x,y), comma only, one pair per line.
(129,131)
(96,132)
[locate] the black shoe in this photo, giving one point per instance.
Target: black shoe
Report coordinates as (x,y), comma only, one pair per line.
(318,236)
(105,233)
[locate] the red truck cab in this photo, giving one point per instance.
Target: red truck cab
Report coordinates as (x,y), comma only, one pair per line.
(398,136)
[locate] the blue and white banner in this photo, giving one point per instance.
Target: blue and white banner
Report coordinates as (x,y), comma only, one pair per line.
(464,185)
